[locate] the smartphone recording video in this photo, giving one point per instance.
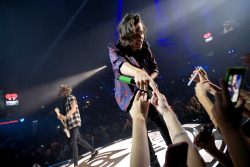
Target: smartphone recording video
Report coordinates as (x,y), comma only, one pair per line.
(205,133)
(234,77)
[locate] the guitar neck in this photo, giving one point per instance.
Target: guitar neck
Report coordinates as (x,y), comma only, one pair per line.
(57,112)
(64,124)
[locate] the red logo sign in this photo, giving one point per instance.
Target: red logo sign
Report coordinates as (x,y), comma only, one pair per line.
(11,96)
(207,35)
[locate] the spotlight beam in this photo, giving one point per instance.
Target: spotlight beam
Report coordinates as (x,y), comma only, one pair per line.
(58,38)
(37,96)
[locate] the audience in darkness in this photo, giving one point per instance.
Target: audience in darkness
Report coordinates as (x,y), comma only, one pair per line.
(24,144)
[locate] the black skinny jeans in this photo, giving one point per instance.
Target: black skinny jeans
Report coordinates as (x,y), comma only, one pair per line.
(75,139)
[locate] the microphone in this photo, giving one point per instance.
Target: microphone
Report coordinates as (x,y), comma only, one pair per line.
(131,81)
(127,80)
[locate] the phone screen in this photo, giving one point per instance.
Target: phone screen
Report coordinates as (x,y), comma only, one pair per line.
(234,82)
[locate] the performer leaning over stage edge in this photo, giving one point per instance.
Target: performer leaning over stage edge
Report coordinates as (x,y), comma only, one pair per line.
(131,56)
(73,120)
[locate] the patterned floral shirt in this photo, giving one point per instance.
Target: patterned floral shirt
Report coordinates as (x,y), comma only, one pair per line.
(143,59)
(75,119)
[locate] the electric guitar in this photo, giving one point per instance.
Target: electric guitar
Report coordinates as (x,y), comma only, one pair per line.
(66,129)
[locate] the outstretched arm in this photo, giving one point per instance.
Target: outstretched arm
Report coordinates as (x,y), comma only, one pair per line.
(139,112)
(176,131)
(200,92)
(140,76)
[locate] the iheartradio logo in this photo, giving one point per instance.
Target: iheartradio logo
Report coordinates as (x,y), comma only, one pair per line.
(208,37)
(11,96)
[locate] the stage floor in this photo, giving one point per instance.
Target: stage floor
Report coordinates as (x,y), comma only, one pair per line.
(117,154)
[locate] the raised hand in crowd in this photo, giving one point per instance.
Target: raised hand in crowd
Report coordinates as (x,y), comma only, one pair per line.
(160,102)
(176,131)
(202,72)
(203,86)
(201,89)
(228,116)
(211,148)
(225,112)
(246,96)
(139,112)
(209,145)
(203,78)
(246,61)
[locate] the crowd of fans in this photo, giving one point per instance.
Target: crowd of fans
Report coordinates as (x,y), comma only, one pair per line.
(43,142)
(224,114)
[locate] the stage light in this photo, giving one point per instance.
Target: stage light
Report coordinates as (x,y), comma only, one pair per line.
(84,97)
(22,120)
(206,67)
(10,122)
(50,90)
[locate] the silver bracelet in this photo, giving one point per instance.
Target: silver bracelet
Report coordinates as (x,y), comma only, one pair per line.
(179,134)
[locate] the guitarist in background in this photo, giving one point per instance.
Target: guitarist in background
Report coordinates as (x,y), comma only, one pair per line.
(73,121)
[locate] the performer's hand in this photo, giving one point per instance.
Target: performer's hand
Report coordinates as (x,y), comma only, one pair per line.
(153,85)
(143,80)
(140,106)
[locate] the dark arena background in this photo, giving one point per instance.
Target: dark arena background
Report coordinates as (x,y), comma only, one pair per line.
(45,43)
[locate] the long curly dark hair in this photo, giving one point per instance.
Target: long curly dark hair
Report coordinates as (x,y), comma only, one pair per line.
(127,27)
